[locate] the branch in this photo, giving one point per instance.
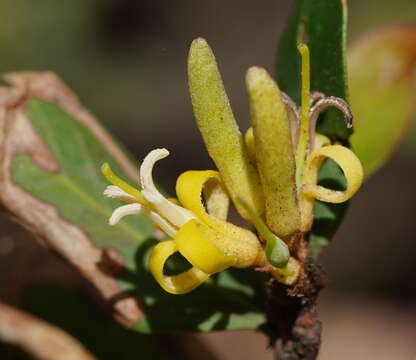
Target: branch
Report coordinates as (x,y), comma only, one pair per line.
(42,340)
(293,316)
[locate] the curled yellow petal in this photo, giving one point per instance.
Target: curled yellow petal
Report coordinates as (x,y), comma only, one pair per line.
(196,242)
(219,129)
(189,188)
(174,284)
(216,199)
(232,240)
(346,160)
(274,152)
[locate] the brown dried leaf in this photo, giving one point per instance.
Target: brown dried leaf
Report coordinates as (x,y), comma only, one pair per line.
(17,137)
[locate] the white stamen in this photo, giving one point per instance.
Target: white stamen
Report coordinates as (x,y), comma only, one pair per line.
(177,215)
(115,192)
(164,225)
(146,179)
(138,209)
(120,212)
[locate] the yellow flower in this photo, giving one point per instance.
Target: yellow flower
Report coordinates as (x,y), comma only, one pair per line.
(270,176)
(202,236)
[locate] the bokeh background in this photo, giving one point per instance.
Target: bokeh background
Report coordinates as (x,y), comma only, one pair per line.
(126,60)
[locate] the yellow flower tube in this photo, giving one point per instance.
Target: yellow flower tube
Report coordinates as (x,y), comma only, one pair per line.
(234,241)
(210,244)
(197,243)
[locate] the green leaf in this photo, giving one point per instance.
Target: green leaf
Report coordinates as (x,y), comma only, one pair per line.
(321,24)
(73,312)
(327,217)
(381,69)
(230,301)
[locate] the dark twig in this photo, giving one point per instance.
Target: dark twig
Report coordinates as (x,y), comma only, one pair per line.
(293,318)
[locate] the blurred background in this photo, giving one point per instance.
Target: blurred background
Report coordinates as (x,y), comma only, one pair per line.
(126,60)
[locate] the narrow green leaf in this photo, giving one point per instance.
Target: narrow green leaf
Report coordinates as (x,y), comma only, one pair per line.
(321,24)
(288,62)
(326,37)
(327,217)
(381,68)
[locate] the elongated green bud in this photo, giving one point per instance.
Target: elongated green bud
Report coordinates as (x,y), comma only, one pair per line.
(274,153)
(219,129)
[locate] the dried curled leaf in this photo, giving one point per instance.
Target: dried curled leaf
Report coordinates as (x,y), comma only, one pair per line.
(26,159)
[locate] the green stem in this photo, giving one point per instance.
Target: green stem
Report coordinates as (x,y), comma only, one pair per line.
(304,119)
(277,252)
